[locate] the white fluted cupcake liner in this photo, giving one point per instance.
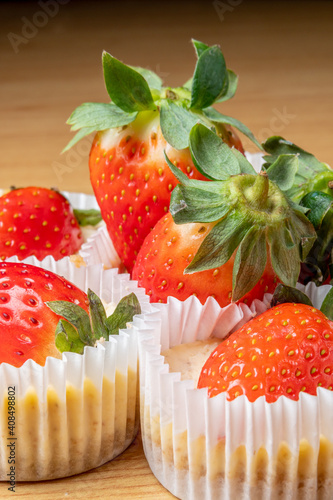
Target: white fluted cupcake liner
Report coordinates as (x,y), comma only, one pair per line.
(99,248)
(78,412)
(204,448)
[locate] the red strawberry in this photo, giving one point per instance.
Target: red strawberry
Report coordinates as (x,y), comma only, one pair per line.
(284,351)
(232,238)
(128,171)
(37,221)
(133,184)
(169,249)
(27,325)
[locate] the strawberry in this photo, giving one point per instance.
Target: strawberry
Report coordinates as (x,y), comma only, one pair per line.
(37,221)
(233,237)
(170,248)
(27,325)
(286,350)
(128,171)
(43,314)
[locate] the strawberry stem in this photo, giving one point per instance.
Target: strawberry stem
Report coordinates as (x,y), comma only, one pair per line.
(258,193)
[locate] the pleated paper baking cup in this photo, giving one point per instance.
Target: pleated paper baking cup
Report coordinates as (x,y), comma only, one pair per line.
(204,448)
(78,412)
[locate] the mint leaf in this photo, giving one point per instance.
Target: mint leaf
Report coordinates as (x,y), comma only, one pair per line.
(176,124)
(89,217)
(126,87)
(211,156)
(127,307)
(217,117)
(210,78)
(283,171)
(153,80)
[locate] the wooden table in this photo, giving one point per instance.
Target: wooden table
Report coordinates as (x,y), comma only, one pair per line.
(282,50)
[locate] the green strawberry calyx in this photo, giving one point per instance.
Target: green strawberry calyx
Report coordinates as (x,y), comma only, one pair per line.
(311,175)
(318,265)
(79,329)
(283,294)
(135,90)
(312,188)
(252,215)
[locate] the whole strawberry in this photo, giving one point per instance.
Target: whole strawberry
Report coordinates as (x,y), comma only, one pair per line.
(43,314)
(284,351)
(37,221)
(27,325)
(232,238)
(128,171)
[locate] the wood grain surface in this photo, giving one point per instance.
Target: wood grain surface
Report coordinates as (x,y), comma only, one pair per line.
(50,63)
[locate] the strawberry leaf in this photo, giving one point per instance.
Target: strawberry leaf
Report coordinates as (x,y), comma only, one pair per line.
(93,116)
(176,124)
(277,146)
(250,262)
(191,204)
(98,316)
(89,217)
(126,87)
(327,305)
(285,260)
(126,309)
(75,315)
(199,47)
(67,338)
(231,88)
(211,156)
(218,246)
(319,260)
(77,137)
(302,230)
(319,204)
(153,80)
(99,115)
(244,164)
(210,79)
(283,171)
(217,117)
(311,175)
(284,293)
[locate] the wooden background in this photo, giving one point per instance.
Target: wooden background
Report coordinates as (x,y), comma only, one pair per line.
(282,50)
